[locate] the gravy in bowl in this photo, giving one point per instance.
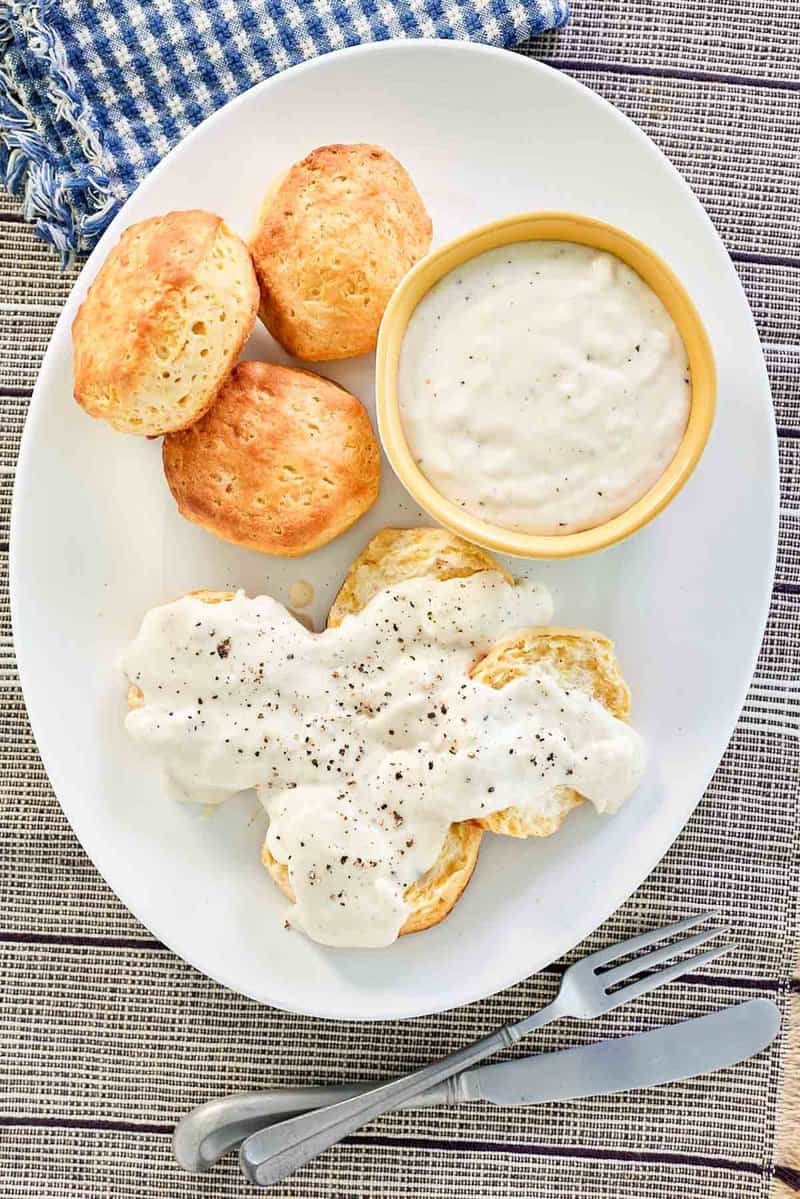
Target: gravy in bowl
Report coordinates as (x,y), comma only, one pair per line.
(543,386)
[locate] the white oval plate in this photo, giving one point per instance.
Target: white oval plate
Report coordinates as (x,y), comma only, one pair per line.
(97,540)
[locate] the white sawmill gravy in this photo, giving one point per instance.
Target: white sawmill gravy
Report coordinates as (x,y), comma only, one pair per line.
(543,387)
(368,740)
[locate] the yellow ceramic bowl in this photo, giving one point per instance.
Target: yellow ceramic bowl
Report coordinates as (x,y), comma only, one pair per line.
(545,226)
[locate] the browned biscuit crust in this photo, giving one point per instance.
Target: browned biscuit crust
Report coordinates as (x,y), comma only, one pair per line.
(284,462)
(163,322)
(333,239)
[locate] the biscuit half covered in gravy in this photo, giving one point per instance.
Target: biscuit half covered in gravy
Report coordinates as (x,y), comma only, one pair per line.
(580,658)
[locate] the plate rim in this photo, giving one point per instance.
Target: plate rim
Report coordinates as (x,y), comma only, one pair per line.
(648,861)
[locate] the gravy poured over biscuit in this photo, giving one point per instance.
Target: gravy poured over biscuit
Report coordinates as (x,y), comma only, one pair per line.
(367,741)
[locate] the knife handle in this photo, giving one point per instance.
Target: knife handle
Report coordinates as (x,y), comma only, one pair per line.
(210,1130)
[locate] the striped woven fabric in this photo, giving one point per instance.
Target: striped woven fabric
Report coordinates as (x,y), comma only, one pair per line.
(106,1037)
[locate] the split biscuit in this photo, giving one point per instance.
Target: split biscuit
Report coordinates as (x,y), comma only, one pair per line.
(583,661)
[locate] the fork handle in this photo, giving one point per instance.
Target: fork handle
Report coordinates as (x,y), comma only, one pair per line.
(272,1154)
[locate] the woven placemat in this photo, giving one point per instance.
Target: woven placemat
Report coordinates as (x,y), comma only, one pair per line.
(106,1037)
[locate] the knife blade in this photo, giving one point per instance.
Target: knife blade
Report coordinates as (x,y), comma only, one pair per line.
(645,1059)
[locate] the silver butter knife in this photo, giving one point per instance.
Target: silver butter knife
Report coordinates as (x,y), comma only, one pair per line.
(646,1059)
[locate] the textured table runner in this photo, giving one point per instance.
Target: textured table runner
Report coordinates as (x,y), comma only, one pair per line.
(106,1037)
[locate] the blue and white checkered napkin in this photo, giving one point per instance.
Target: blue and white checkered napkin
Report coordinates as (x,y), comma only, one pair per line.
(94,92)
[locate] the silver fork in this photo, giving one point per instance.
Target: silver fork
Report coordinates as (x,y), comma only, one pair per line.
(272,1154)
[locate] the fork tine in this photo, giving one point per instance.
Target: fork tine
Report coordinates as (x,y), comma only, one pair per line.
(603,956)
(648,960)
(633,990)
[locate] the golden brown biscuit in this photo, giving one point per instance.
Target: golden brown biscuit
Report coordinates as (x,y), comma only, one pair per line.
(163,323)
(284,462)
(431,897)
(333,239)
(394,555)
(583,658)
